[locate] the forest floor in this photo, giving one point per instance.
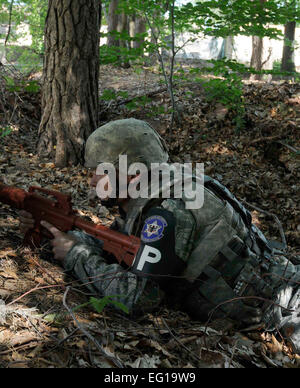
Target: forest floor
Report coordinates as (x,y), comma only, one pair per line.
(259,164)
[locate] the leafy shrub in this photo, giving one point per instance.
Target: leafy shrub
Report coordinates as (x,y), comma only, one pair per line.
(4,131)
(227,88)
(14,85)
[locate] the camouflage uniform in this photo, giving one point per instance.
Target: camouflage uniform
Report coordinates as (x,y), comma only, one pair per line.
(202,287)
(213,259)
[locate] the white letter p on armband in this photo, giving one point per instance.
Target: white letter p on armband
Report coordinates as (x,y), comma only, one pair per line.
(149,255)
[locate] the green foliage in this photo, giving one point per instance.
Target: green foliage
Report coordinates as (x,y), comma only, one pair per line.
(138,102)
(219,18)
(14,85)
(4,131)
(100,304)
(113,55)
(244,17)
(109,95)
(97,303)
(33,13)
(227,88)
(24,58)
(277,65)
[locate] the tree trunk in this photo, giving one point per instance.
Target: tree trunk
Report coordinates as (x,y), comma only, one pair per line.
(257,48)
(287,61)
(229,45)
(113,20)
(123,27)
(139,28)
(256,57)
(70,79)
(152,58)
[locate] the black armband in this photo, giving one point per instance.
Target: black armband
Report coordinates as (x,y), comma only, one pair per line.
(156,258)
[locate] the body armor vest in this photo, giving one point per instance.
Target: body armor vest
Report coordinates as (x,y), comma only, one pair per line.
(230,255)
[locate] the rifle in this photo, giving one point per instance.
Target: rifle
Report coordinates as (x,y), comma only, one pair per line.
(59,212)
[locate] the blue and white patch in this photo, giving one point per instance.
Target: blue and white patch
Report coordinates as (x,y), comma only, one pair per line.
(153,229)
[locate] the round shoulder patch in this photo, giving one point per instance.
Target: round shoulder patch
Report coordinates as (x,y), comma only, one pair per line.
(153,228)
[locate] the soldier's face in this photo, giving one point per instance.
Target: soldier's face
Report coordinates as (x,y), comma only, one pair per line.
(106,201)
(95,179)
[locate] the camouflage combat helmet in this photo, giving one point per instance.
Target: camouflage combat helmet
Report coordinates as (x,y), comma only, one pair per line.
(131,137)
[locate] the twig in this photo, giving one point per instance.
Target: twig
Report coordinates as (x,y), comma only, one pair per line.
(232,354)
(149,94)
(288,146)
(269,56)
(280,277)
(180,343)
(43,270)
(168,80)
(276,220)
(32,290)
(9,22)
(87,334)
(241,298)
(174,111)
(29,345)
(60,342)
(265,138)
(279,226)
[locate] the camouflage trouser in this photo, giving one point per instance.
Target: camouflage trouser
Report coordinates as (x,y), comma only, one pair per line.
(280,312)
(284,314)
(85,262)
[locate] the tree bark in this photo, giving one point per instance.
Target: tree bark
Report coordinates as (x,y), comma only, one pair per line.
(123,27)
(139,28)
(256,57)
(70,79)
(113,21)
(229,45)
(287,61)
(257,49)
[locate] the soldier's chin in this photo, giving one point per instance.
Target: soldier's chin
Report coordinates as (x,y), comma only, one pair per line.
(109,202)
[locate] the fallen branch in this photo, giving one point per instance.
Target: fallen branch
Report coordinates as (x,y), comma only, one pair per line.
(265,138)
(123,102)
(87,334)
(180,343)
(150,94)
(289,147)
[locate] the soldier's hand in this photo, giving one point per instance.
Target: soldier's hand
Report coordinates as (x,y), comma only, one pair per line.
(26,221)
(62,242)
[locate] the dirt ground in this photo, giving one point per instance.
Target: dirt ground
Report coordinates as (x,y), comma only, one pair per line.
(259,164)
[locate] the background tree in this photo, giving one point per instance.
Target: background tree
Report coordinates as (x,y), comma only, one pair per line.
(257,46)
(70,79)
(112,24)
(35,12)
(287,61)
(139,31)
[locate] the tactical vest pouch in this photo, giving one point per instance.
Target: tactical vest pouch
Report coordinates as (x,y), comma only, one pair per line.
(208,247)
(256,240)
(214,298)
(234,274)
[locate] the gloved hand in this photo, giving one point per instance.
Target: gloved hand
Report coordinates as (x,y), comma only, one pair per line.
(62,242)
